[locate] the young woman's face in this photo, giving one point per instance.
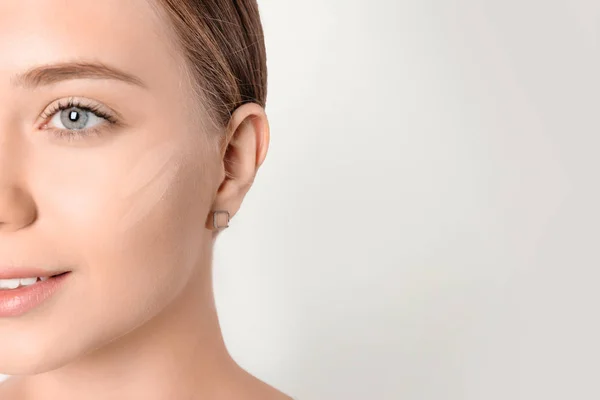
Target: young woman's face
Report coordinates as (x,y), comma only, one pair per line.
(118,195)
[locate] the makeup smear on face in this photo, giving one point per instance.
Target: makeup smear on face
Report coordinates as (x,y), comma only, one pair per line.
(147,183)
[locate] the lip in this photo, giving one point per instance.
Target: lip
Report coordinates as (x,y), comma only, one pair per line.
(18,272)
(15,302)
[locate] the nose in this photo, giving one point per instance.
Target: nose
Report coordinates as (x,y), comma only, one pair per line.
(17,209)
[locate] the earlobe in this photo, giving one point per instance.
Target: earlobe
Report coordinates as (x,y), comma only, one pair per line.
(244,151)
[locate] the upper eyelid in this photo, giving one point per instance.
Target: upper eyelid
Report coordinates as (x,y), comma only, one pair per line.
(53,107)
(79,101)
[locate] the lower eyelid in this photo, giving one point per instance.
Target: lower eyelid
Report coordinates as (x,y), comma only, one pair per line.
(71,135)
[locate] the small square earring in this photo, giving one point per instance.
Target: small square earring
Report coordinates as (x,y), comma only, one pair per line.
(215,213)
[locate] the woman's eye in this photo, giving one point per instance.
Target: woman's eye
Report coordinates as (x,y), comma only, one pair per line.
(75,118)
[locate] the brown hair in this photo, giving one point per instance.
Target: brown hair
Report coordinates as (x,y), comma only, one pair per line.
(223,43)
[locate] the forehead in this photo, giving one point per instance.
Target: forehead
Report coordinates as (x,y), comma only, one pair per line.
(127,34)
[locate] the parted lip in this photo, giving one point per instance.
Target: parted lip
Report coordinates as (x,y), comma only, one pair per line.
(27,272)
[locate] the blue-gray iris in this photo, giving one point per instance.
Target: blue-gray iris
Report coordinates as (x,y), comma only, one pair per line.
(73,118)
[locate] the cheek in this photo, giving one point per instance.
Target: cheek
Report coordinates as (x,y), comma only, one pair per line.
(136,235)
(150,181)
(133,239)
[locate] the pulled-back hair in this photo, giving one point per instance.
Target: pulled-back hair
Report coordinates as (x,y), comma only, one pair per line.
(223,43)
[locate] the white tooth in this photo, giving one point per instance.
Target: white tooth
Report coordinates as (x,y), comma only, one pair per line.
(43,278)
(28,281)
(9,283)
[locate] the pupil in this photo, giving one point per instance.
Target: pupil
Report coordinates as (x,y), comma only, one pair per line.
(73,115)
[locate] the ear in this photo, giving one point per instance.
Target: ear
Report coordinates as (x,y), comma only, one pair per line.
(243,151)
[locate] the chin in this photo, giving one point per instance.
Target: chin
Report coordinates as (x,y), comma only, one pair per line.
(15,363)
(32,354)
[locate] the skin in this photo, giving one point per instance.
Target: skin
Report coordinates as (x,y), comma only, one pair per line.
(127,210)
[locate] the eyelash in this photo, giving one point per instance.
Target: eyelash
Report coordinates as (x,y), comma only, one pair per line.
(76,134)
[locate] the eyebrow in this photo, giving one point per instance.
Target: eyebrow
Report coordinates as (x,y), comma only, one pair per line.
(53,73)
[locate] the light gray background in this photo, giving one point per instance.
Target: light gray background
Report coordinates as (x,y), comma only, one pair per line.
(425,225)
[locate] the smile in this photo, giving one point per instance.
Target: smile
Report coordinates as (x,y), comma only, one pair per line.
(19,295)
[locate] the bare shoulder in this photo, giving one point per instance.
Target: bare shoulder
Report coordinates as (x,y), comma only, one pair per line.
(262,391)
(250,387)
